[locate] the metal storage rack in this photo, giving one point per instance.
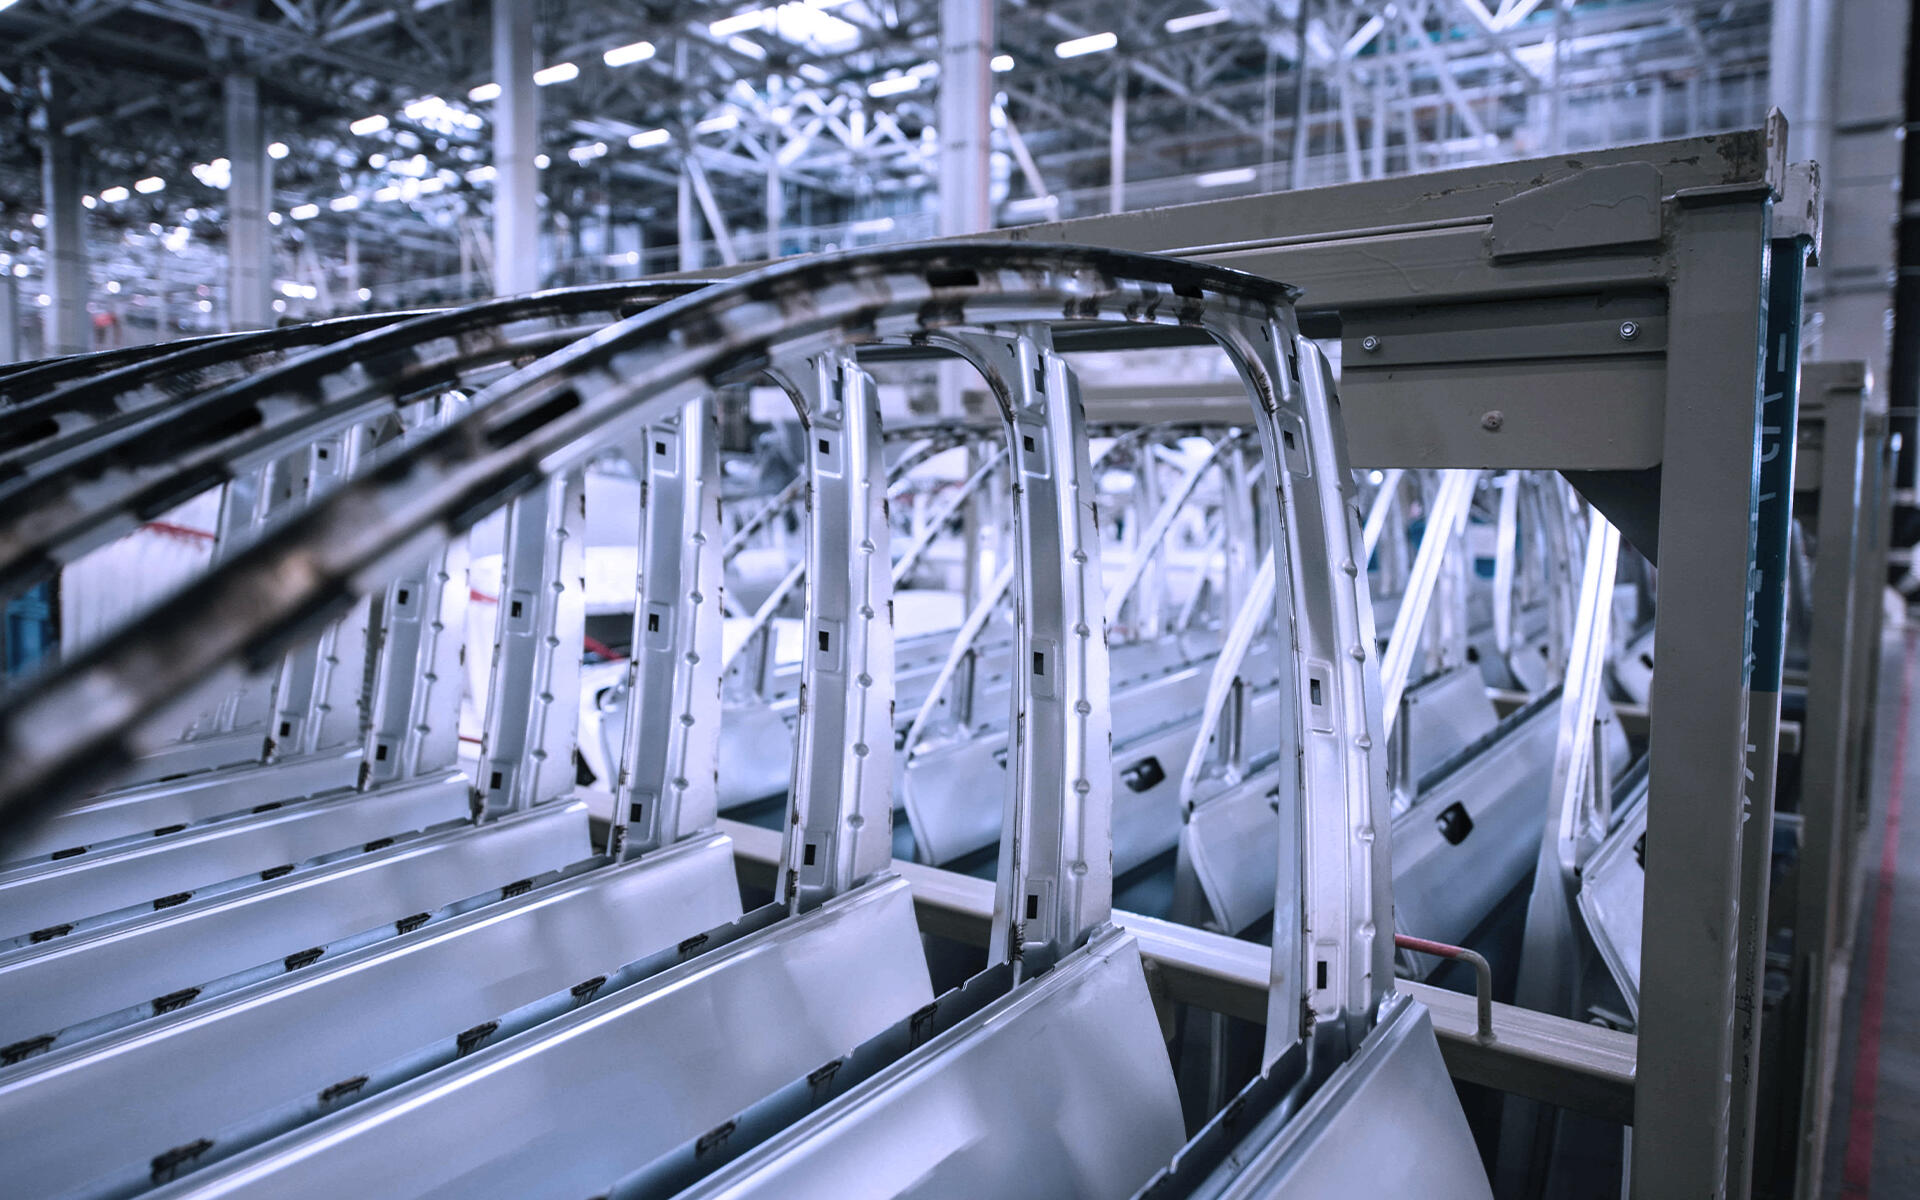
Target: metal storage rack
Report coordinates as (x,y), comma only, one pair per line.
(1603,315)
(1844,474)
(1629,318)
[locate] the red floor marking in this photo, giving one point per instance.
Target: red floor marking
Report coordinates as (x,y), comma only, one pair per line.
(1857,1179)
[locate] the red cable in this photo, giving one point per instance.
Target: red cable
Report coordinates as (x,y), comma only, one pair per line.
(180,531)
(1423,946)
(1857,1177)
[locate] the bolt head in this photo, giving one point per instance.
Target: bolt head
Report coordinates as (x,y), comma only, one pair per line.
(1370,343)
(1492,421)
(1629,330)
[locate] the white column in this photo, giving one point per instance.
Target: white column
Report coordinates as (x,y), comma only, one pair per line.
(9,317)
(516,142)
(966,133)
(689,218)
(249,195)
(68,331)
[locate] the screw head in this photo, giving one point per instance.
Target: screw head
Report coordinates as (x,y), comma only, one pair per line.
(1492,421)
(1370,343)
(1629,330)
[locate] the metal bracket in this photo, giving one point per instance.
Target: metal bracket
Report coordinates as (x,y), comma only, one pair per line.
(840,829)
(533,700)
(671,748)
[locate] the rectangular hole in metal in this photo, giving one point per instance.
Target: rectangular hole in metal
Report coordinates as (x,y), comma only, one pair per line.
(824,448)
(380,752)
(514,609)
(1027,441)
(824,641)
(494,782)
(1039,380)
(400,597)
(1144,775)
(1039,663)
(1313,692)
(1455,823)
(806,855)
(636,811)
(1286,436)
(660,448)
(323,452)
(1033,907)
(1320,973)
(286,727)
(653,622)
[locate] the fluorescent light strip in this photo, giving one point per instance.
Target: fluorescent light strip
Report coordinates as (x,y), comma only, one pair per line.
(1199,20)
(893,85)
(368,125)
(1093,43)
(1226,178)
(626,56)
(557,73)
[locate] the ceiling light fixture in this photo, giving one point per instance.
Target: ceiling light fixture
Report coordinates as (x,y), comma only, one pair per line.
(1226,178)
(893,85)
(1093,43)
(1199,20)
(626,56)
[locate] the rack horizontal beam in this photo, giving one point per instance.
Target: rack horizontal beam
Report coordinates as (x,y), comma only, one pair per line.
(1574,1065)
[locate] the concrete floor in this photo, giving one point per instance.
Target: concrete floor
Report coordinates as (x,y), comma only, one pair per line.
(1873,1147)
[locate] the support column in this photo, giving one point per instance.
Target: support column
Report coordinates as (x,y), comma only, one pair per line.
(689,219)
(9,317)
(68,331)
(516,137)
(966,148)
(249,195)
(776,208)
(1297,162)
(966,137)
(1697,802)
(1117,144)
(1779,409)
